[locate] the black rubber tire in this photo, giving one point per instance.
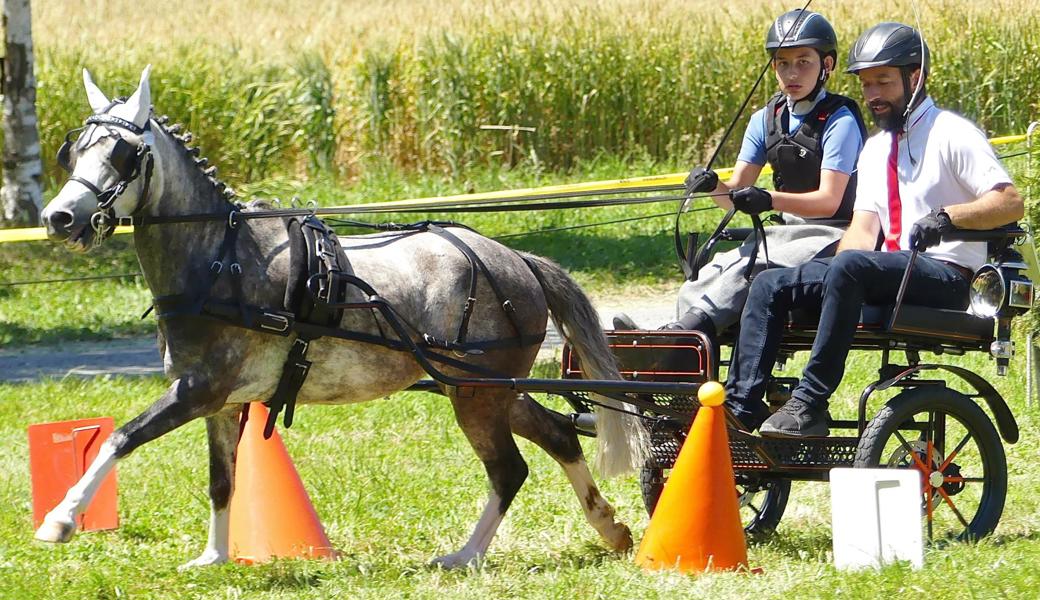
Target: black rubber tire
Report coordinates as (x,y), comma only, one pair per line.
(759,522)
(976,424)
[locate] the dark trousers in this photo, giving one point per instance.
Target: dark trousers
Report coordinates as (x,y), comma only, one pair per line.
(838,288)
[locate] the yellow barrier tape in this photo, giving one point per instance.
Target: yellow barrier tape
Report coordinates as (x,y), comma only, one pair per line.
(38,233)
(1008,139)
(612,184)
(32,234)
(26,234)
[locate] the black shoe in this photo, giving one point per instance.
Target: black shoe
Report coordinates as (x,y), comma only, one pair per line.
(796,419)
(623,322)
(750,421)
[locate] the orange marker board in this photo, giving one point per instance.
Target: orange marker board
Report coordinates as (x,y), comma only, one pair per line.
(59,454)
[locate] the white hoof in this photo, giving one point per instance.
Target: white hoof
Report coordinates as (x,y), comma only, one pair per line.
(207,558)
(54,532)
(458,560)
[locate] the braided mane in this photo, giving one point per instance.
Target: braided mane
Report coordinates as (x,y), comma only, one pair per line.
(175,132)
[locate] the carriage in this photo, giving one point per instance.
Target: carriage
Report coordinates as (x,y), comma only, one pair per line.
(260,303)
(935,423)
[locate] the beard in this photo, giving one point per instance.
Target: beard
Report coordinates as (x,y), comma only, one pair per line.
(891,121)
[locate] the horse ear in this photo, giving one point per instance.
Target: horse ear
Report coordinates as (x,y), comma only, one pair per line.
(95,96)
(141,100)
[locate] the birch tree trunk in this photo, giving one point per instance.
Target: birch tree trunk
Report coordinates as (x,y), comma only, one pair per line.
(21,195)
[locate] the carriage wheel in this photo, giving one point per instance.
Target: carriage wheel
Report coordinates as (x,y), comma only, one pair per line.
(762,500)
(948,438)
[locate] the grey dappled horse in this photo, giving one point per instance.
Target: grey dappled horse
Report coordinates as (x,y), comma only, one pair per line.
(216,368)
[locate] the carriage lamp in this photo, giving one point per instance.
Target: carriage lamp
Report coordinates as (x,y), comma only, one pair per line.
(1002,292)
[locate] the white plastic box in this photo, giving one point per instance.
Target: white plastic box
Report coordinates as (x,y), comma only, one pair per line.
(876,517)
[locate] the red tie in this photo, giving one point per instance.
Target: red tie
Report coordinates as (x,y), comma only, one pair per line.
(895,206)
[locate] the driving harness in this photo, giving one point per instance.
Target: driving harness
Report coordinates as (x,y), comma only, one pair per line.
(316,297)
(316,294)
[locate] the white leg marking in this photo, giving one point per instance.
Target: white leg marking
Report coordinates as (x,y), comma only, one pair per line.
(60,523)
(475,549)
(216,551)
(598,512)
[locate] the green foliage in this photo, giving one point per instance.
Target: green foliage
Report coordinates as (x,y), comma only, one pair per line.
(254,120)
(78,310)
(591,82)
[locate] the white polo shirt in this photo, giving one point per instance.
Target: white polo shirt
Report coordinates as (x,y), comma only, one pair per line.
(954,164)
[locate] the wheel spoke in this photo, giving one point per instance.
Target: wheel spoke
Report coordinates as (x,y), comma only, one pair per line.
(911,452)
(956,451)
(946,497)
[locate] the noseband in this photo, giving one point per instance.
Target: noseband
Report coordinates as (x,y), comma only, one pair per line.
(125,159)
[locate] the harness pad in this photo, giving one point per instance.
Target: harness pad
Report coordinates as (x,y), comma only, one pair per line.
(314,292)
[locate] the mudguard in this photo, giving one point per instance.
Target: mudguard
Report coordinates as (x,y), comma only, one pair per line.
(1006,423)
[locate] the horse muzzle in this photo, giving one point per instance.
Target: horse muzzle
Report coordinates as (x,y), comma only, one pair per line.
(65,226)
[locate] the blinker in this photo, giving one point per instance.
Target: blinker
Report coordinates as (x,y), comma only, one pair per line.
(124,158)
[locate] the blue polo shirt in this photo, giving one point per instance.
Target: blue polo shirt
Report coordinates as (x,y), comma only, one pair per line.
(841,142)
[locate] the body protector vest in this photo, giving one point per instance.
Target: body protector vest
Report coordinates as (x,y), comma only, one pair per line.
(796,158)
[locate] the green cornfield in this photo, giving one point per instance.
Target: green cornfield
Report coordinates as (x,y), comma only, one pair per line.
(300,90)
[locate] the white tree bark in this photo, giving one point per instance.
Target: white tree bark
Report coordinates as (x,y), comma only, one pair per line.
(21,195)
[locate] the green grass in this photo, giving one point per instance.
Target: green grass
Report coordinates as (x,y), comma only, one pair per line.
(608,260)
(395,484)
(611,258)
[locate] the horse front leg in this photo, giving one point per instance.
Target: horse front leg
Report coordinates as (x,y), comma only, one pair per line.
(185,399)
(222,430)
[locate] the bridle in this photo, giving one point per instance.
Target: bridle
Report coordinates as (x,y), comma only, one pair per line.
(128,161)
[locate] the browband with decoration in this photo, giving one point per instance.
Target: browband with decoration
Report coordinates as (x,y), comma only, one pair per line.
(105,119)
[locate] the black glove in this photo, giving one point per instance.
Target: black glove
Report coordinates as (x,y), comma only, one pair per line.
(752,200)
(927,231)
(701,181)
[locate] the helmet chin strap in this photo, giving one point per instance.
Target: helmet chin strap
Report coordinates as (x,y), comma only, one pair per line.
(806,104)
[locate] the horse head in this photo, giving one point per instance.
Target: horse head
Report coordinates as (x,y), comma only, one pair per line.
(109,164)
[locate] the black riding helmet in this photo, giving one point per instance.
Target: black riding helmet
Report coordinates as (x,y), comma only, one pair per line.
(799,28)
(892,45)
(888,45)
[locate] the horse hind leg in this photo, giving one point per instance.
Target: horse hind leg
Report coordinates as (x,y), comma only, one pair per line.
(222,432)
(555,434)
(484,419)
(183,401)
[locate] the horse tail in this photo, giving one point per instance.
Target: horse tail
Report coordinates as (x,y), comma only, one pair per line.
(621,437)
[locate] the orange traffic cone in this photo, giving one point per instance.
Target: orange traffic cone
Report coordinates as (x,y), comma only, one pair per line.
(696,525)
(271,513)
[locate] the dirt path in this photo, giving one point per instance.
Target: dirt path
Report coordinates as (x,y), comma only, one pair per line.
(139,356)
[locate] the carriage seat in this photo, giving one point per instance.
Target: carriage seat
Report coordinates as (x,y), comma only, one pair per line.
(921,325)
(955,327)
